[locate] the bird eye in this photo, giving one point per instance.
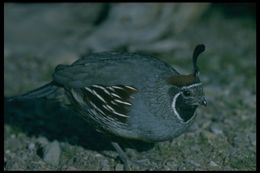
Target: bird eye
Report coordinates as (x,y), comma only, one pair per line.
(186,93)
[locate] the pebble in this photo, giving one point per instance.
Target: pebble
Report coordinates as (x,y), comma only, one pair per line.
(105,165)
(13,136)
(43,141)
(209,135)
(71,168)
(98,155)
(7,151)
(119,167)
(5,163)
(31,146)
(52,153)
(212,163)
(194,163)
(254,143)
(216,130)
(252,138)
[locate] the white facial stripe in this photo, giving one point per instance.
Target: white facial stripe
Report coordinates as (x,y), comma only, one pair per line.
(173,106)
(190,86)
(175,110)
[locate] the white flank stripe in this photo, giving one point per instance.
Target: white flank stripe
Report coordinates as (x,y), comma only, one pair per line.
(113,94)
(111,88)
(132,88)
(107,107)
(122,115)
(113,111)
(110,108)
(93,111)
(126,103)
(97,108)
(101,87)
(107,92)
(88,89)
(98,86)
(114,103)
(117,87)
(99,96)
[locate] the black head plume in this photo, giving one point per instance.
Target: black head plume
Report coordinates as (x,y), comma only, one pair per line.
(197,51)
(184,80)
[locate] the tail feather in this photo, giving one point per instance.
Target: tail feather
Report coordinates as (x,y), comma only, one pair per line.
(44,91)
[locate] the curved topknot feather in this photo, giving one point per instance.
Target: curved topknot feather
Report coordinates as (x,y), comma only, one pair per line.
(197,51)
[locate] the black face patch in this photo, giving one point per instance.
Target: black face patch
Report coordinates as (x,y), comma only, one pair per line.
(184,110)
(186,100)
(186,93)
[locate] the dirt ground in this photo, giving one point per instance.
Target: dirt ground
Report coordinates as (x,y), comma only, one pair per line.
(44,135)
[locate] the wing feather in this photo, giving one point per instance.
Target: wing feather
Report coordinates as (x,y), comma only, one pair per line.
(109,102)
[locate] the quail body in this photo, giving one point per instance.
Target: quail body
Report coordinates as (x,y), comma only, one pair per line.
(129,95)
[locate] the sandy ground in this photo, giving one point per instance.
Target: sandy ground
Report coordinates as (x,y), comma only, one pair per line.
(42,135)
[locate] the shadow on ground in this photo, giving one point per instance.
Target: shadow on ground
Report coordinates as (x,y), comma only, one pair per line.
(40,117)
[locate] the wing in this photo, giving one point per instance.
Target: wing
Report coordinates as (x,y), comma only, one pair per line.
(111,69)
(106,102)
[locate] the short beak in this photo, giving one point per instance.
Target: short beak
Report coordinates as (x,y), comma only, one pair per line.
(203,101)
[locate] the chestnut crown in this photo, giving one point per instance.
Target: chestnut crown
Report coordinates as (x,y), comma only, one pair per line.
(184,80)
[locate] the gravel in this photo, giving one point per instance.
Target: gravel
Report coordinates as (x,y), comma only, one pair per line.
(44,135)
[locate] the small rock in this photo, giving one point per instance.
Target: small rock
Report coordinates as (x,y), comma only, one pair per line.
(43,141)
(98,155)
(209,135)
(13,136)
(216,130)
(52,153)
(5,163)
(104,164)
(7,151)
(119,167)
(254,143)
(213,164)
(71,168)
(31,146)
(252,138)
(194,163)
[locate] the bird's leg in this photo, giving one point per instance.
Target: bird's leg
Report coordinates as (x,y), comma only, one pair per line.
(122,155)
